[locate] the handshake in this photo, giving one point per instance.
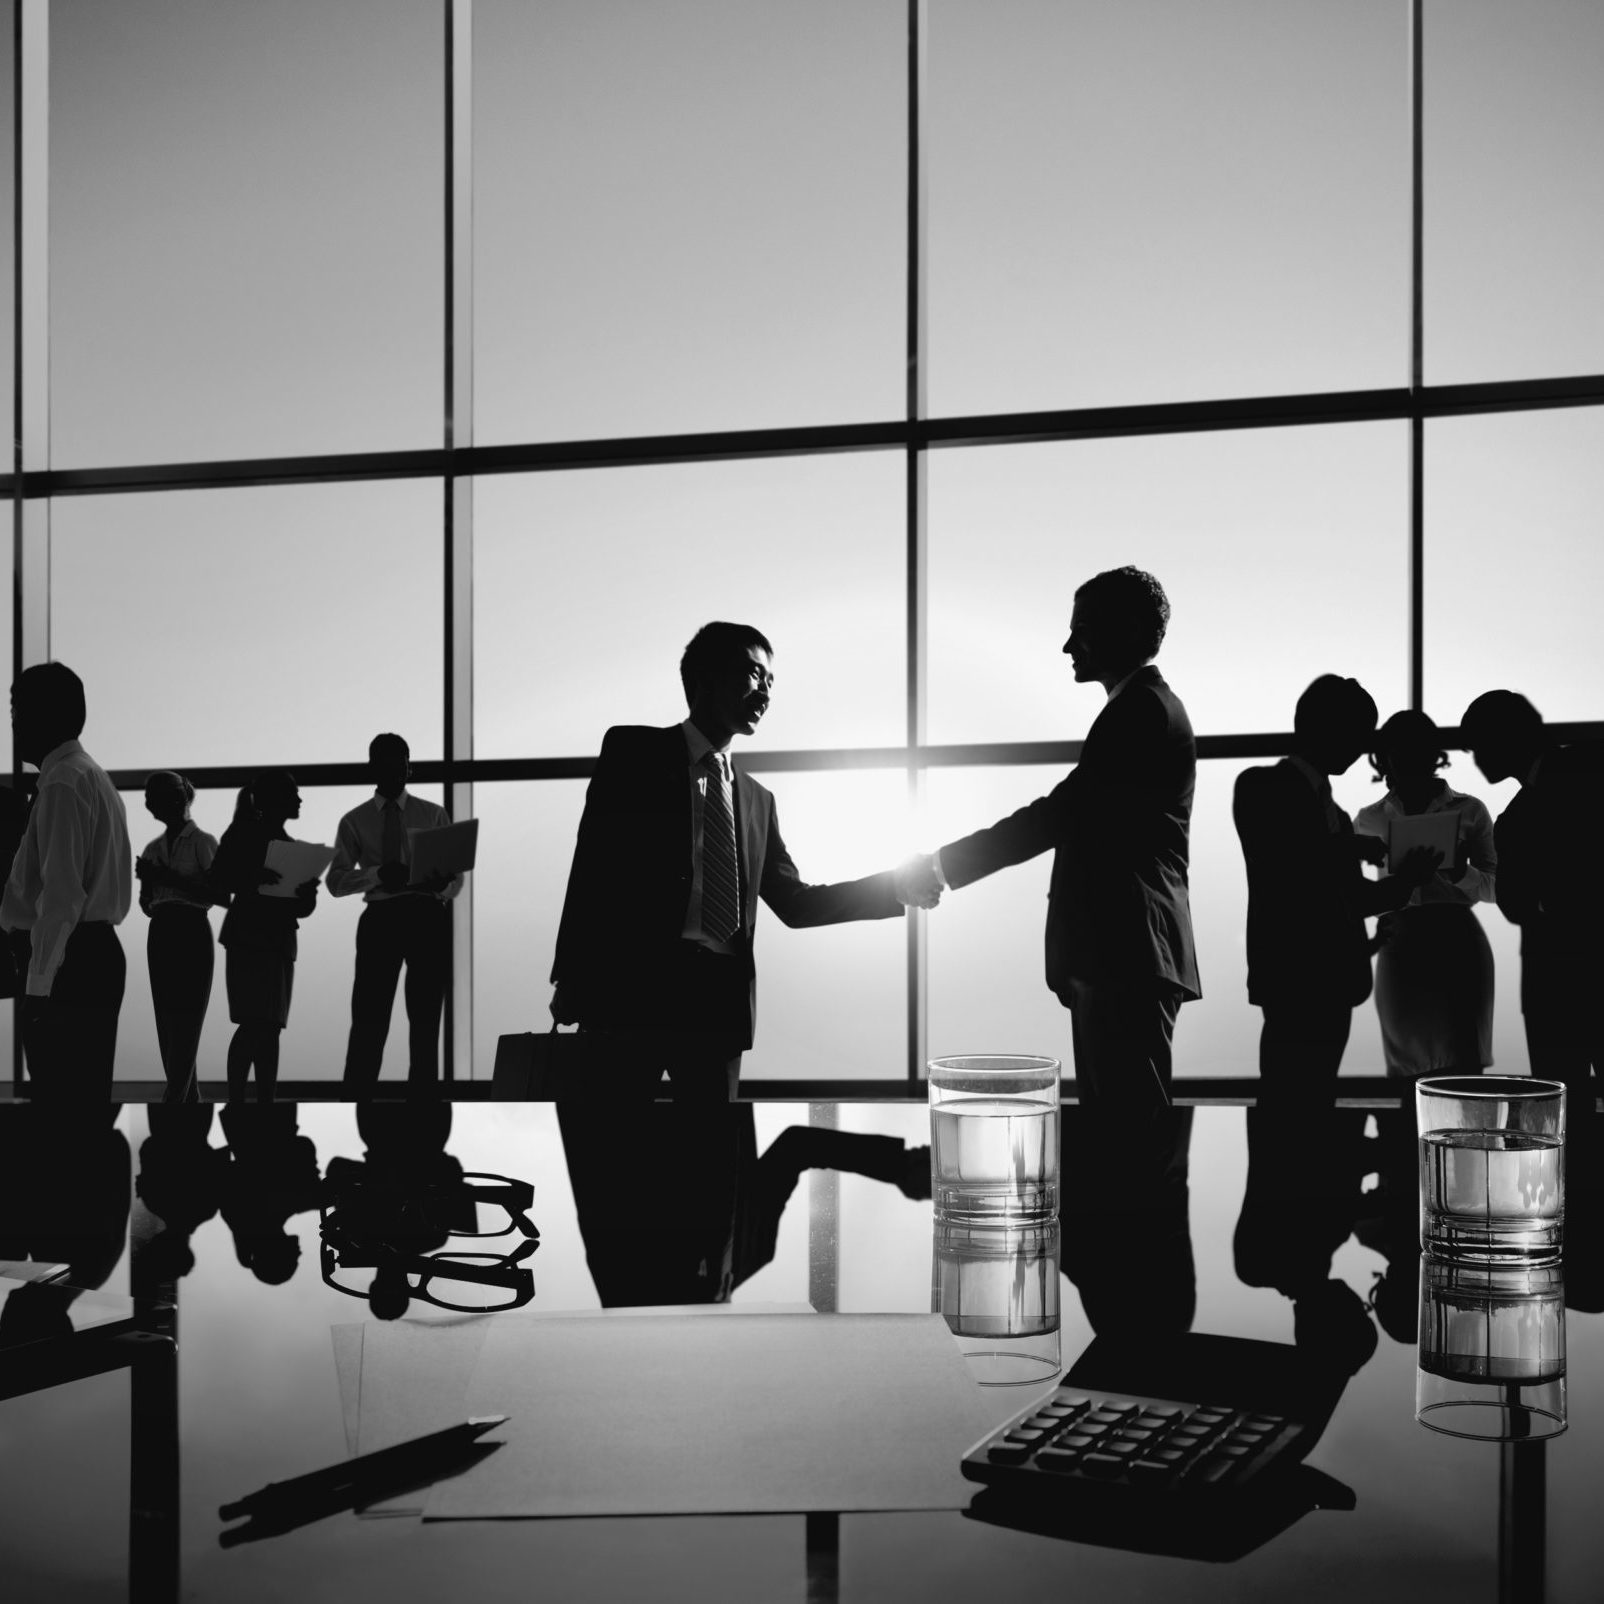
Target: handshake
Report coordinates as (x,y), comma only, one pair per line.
(916,882)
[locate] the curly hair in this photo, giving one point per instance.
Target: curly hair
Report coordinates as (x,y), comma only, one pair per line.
(1134,600)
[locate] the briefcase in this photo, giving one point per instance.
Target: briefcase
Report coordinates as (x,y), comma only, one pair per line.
(541,1066)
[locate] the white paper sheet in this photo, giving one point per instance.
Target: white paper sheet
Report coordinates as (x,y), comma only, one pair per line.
(295,861)
(768,1414)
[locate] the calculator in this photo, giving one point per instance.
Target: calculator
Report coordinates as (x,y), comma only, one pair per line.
(1122,1440)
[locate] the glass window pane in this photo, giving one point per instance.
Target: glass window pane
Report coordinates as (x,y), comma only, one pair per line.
(313,1044)
(687,217)
(831,1001)
(286,624)
(1514,123)
(245,228)
(588,585)
(1515,561)
(1284,553)
(8,196)
(1162,200)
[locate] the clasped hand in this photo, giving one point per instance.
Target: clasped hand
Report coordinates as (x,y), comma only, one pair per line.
(915,883)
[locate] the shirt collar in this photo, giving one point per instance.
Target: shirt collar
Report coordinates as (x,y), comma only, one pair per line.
(401,797)
(1120,684)
(1320,782)
(57,753)
(698,745)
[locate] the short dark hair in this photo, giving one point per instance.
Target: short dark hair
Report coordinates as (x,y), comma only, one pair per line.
(713,647)
(1135,600)
(1332,702)
(1502,716)
(1409,731)
(55,695)
(388,740)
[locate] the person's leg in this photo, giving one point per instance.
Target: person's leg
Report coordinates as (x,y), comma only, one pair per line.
(179,952)
(428,962)
(241,1048)
(1121,1038)
(267,1061)
(379,949)
(1300,1051)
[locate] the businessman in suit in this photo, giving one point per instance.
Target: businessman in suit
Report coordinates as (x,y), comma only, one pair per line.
(1308,896)
(1544,887)
(674,852)
(1119,952)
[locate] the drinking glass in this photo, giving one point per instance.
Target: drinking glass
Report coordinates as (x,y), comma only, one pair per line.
(1492,1168)
(994,1139)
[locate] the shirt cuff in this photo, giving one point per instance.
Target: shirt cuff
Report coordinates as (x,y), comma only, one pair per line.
(939,872)
(39,985)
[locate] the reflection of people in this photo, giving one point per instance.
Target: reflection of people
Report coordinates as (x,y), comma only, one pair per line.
(71,885)
(176,894)
(258,932)
(1119,926)
(1434,967)
(271,1175)
(672,856)
(1308,954)
(1544,837)
(404,921)
(179,1175)
(727,1199)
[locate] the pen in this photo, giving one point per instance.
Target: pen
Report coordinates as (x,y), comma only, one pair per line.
(366,1473)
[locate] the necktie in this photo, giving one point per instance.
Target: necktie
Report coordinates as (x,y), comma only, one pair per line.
(720,878)
(393,842)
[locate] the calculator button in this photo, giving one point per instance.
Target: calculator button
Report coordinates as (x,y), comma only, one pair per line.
(1042,1423)
(1093,1428)
(1151,1471)
(1060,1411)
(1126,1450)
(1233,1450)
(1214,1469)
(1116,1406)
(1190,1433)
(1168,1456)
(1071,1400)
(1265,1422)
(1020,1434)
(1076,1439)
(1106,1417)
(1248,1438)
(1136,1434)
(1164,1411)
(1103,1466)
(1057,1459)
(1151,1420)
(1008,1453)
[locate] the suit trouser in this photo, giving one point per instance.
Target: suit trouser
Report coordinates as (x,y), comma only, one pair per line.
(693,1029)
(1565,1042)
(70,1037)
(412,930)
(182,956)
(1300,1050)
(1122,1039)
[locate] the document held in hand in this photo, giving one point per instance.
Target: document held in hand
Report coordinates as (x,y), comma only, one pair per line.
(295,861)
(449,849)
(1437,830)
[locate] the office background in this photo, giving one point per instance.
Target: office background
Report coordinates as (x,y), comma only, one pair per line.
(440,365)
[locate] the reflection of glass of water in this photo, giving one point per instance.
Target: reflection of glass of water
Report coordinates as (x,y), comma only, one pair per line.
(994,1139)
(1492,1350)
(1492,1168)
(997,1289)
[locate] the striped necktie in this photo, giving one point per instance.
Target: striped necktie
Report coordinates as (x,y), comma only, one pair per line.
(720,877)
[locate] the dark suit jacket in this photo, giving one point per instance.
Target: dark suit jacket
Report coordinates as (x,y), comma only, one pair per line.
(1544,887)
(1307,894)
(1117,908)
(630,882)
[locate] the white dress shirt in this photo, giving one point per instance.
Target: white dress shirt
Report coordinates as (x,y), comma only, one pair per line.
(700,746)
(359,848)
(75,865)
(1477,883)
(189,852)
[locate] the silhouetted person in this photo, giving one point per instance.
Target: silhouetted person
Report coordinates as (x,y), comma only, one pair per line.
(271,1175)
(1545,839)
(70,887)
(1434,967)
(672,856)
(1308,952)
(258,932)
(16,800)
(1119,952)
(176,893)
(405,921)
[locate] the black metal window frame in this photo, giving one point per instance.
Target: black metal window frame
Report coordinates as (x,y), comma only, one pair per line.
(457,463)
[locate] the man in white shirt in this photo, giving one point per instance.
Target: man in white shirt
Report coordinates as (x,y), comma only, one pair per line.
(71,885)
(406,921)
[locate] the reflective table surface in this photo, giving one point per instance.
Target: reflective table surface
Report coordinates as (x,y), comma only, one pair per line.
(173,1281)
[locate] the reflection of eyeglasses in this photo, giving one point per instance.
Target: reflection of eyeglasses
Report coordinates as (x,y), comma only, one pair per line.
(466,1283)
(464,1280)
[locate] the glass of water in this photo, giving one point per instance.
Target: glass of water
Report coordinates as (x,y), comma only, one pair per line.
(994,1139)
(1492,1168)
